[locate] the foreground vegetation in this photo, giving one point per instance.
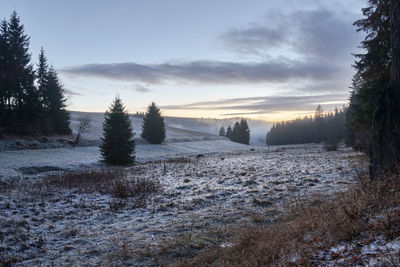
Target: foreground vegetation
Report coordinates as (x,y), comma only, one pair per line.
(309,233)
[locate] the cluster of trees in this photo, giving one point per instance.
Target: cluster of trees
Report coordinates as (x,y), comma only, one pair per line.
(240,132)
(118,145)
(32,100)
(323,127)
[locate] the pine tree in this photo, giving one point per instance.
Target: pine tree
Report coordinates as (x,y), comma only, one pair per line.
(229,132)
(319,124)
(222,131)
(373,73)
(55,103)
(42,77)
(244,132)
(5,97)
(20,77)
(236,132)
(118,145)
(385,147)
(153,128)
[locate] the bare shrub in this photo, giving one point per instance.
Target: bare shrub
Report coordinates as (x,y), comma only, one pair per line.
(83,127)
(113,181)
(179,160)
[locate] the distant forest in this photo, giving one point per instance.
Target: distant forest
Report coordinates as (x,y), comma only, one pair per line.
(329,127)
(32,100)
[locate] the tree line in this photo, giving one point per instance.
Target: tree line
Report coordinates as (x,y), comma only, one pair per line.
(323,127)
(240,133)
(32,99)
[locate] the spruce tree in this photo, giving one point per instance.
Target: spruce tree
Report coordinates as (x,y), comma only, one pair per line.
(244,132)
(5,97)
(373,73)
(42,77)
(222,131)
(153,128)
(118,145)
(20,77)
(236,132)
(229,132)
(55,103)
(385,146)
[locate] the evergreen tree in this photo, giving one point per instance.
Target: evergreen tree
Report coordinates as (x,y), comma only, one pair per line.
(385,147)
(54,99)
(118,144)
(153,128)
(222,131)
(244,132)
(373,73)
(236,132)
(42,72)
(229,132)
(23,98)
(5,94)
(319,124)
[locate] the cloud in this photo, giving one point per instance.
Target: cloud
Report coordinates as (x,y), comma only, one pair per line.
(209,72)
(313,34)
(72,93)
(142,89)
(307,51)
(265,104)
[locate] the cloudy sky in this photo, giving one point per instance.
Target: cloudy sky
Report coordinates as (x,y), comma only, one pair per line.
(262,59)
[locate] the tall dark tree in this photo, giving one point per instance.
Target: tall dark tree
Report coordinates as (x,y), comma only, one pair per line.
(222,131)
(153,127)
(118,145)
(373,73)
(385,149)
(55,103)
(42,72)
(5,93)
(17,78)
(229,132)
(236,132)
(319,124)
(244,132)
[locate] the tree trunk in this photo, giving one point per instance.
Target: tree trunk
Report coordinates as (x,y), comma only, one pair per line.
(385,145)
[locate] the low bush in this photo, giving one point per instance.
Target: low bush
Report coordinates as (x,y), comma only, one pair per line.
(113,181)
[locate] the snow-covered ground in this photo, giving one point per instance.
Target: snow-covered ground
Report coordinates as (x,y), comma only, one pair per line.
(24,163)
(200,200)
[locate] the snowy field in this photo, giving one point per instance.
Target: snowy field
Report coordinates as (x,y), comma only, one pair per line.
(202,202)
(28,163)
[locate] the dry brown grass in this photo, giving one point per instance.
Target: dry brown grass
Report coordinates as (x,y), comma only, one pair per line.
(114,181)
(297,238)
(117,182)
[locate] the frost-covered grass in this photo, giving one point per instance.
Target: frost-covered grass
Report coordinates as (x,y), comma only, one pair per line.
(203,202)
(357,227)
(25,163)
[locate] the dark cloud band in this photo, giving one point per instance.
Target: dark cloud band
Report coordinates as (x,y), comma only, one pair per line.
(208,72)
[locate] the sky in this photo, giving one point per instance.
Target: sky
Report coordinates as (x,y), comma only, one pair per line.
(269,60)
